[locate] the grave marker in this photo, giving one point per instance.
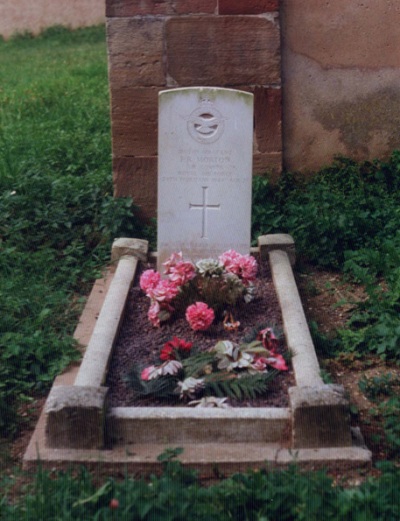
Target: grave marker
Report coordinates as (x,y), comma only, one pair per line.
(205,152)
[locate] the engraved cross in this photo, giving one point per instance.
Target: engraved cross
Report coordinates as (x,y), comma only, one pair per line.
(204,207)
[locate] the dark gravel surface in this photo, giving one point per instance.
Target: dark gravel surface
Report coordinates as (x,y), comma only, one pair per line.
(139,342)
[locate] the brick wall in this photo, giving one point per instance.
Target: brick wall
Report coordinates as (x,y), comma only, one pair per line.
(158,44)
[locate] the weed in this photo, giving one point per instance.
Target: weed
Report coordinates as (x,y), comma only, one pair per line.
(383,390)
(265,217)
(378,385)
(327,347)
(347,217)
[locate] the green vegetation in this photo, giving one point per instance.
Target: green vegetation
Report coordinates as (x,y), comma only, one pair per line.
(347,217)
(178,495)
(383,391)
(57,213)
(57,220)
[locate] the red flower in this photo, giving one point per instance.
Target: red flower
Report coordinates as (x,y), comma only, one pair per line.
(167,353)
(268,339)
(199,316)
(176,344)
(277,362)
(259,364)
(231,260)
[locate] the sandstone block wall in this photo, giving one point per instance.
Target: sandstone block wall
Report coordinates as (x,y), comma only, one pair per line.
(341,80)
(158,44)
(36,15)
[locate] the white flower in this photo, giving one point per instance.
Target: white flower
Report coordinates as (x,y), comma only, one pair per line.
(250,292)
(210,401)
(231,356)
(189,387)
(209,267)
(170,367)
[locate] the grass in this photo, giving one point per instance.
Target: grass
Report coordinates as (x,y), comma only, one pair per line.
(54,102)
(57,219)
(57,213)
(177,495)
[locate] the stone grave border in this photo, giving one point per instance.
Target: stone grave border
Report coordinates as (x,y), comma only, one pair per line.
(76,427)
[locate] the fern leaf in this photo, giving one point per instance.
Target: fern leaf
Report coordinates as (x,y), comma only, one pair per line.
(161,387)
(195,365)
(229,384)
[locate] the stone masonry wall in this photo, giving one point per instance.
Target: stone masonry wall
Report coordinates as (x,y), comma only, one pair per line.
(36,15)
(159,44)
(341,80)
(340,77)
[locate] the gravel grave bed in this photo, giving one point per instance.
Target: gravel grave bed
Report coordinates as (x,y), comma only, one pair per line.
(139,343)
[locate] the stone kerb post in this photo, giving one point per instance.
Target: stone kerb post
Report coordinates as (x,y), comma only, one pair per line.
(320,414)
(320,417)
(76,417)
(75,414)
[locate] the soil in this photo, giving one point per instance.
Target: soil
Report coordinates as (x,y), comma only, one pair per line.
(139,343)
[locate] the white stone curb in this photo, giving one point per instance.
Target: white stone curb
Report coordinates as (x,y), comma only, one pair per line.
(298,337)
(93,369)
(132,426)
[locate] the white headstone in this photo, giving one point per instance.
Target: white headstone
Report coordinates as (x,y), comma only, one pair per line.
(205,150)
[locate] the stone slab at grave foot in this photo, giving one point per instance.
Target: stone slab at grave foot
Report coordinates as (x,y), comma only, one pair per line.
(204,172)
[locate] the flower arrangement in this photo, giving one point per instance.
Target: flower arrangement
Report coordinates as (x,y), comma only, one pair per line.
(205,292)
(208,378)
(206,288)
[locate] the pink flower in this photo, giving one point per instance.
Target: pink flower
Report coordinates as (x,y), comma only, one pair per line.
(172,261)
(199,316)
(149,280)
(277,362)
(244,266)
(248,268)
(231,260)
(165,291)
(268,339)
(259,364)
(182,272)
(147,371)
(153,313)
